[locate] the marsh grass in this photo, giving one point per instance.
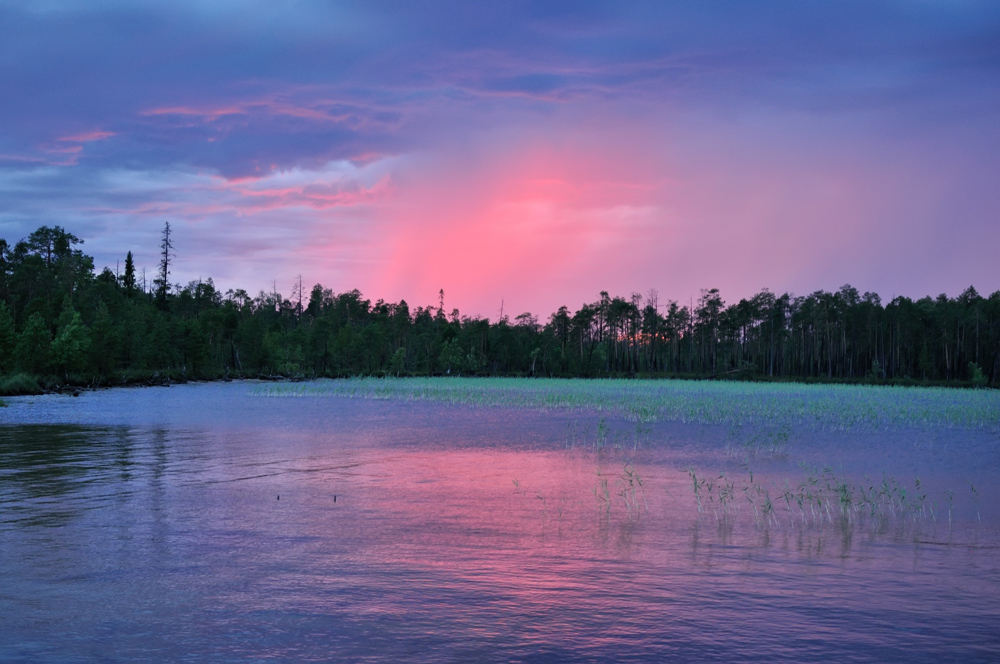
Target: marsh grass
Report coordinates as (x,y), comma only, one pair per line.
(19,384)
(755,442)
(820,498)
(628,487)
(771,407)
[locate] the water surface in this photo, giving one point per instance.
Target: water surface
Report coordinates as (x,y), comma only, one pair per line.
(201,522)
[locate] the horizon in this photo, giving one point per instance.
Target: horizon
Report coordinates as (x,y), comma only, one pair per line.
(530,155)
(145,282)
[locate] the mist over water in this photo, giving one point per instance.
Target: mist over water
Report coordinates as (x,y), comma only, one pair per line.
(200,522)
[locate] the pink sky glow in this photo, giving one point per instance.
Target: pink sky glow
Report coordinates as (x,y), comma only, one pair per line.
(525,156)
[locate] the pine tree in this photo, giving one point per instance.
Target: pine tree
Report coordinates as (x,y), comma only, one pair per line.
(163,280)
(128,279)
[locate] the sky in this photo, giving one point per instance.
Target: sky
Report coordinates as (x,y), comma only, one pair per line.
(518,154)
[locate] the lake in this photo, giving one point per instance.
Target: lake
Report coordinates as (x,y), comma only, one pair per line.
(231,522)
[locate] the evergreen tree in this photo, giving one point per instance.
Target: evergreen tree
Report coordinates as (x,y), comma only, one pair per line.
(162,281)
(34,345)
(104,336)
(69,348)
(128,279)
(8,339)
(4,269)
(840,335)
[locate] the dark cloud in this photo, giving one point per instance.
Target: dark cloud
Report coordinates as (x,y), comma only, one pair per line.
(316,81)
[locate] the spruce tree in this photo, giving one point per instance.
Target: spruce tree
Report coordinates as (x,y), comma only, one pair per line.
(128,279)
(162,281)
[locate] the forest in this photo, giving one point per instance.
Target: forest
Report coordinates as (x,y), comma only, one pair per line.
(62,323)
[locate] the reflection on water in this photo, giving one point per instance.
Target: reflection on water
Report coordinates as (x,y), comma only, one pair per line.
(349,531)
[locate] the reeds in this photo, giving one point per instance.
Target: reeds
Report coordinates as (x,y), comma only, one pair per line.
(820,498)
(628,486)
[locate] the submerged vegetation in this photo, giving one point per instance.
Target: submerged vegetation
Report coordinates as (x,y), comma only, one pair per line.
(774,406)
(60,322)
(762,422)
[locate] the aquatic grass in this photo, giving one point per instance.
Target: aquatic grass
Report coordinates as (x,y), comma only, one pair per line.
(763,440)
(629,487)
(772,407)
(820,498)
(631,490)
(603,494)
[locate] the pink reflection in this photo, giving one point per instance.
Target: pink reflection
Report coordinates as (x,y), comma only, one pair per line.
(492,541)
(526,526)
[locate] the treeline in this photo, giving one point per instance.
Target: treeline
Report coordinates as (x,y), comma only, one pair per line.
(62,323)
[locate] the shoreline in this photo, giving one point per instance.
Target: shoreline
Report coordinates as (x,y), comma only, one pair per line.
(21,384)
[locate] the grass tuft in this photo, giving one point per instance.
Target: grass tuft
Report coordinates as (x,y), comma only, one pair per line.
(19,384)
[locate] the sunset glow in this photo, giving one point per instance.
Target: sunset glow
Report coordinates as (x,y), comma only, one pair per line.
(523,156)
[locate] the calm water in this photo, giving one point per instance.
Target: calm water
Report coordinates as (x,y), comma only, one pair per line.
(200,522)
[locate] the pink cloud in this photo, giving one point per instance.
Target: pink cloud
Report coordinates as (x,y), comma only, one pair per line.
(88,137)
(317,195)
(206,114)
(301,197)
(315,110)
(65,149)
(22,158)
(72,146)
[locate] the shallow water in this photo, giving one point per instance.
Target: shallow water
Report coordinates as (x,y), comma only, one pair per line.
(199,522)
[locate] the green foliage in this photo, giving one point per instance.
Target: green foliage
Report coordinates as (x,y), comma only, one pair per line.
(398,362)
(128,278)
(876,373)
(34,346)
(113,329)
(196,349)
(8,338)
(104,340)
(451,358)
(69,348)
(976,375)
(162,280)
(18,384)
